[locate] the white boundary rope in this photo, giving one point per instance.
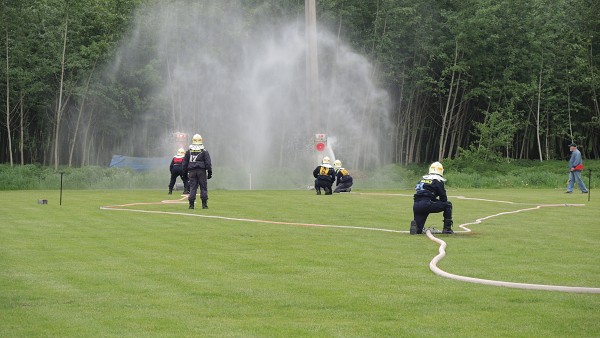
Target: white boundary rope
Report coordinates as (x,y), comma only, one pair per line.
(121,208)
(432,265)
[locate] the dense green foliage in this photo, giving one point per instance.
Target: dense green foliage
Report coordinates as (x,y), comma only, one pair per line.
(519,79)
(78,271)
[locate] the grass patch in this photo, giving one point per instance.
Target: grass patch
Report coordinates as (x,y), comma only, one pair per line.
(75,270)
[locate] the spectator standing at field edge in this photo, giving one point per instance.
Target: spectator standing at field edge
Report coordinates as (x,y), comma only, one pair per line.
(575,167)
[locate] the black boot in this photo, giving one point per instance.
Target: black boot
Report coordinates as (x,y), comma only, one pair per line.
(447,226)
(204,204)
(413,227)
(170,191)
(191,204)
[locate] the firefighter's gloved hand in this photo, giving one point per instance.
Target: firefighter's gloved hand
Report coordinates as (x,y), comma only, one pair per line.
(209,174)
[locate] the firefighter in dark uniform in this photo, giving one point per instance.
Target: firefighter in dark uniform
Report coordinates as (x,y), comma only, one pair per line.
(343,179)
(176,169)
(198,166)
(324,177)
(430,197)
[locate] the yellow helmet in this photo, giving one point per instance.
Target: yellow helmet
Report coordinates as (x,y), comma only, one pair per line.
(337,164)
(197,139)
(180,152)
(326,160)
(436,168)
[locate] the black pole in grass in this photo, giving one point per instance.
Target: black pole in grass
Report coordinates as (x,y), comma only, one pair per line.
(61,176)
(589,184)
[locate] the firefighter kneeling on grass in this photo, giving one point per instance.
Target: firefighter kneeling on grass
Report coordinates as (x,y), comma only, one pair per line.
(324,177)
(430,197)
(196,163)
(343,178)
(176,169)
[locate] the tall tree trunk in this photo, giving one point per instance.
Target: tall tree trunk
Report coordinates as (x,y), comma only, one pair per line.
(525,143)
(86,141)
(375,29)
(22,131)
(172,96)
(595,96)
(75,133)
(547,137)
(569,106)
(444,126)
(8,134)
(397,156)
(457,124)
(451,123)
(537,120)
(312,68)
(59,109)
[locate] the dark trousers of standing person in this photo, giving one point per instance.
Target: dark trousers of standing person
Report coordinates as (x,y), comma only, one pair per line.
(325,185)
(197,178)
(178,172)
(422,208)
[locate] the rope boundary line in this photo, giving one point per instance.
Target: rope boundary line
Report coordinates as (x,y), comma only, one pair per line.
(432,264)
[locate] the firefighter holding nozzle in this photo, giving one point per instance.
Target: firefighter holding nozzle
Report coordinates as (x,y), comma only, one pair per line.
(324,176)
(430,197)
(176,169)
(343,180)
(197,164)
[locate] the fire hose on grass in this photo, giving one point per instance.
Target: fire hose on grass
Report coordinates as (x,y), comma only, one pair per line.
(442,253)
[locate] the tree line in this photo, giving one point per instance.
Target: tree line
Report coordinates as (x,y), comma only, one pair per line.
(502,79)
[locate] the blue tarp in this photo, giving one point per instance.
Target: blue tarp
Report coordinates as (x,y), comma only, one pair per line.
(140,163)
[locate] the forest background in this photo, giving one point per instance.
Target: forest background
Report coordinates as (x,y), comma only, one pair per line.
(496,80)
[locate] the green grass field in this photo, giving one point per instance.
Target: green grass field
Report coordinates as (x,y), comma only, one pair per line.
(77,270)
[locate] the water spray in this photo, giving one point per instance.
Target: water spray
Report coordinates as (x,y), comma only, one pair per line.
(248,105)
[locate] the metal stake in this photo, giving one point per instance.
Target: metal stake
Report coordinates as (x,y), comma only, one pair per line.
(589,184)
(61,187)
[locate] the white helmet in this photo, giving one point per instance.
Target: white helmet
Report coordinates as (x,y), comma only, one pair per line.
(326,160)
(436,168)
(337,164)
(180,152)
(197,139)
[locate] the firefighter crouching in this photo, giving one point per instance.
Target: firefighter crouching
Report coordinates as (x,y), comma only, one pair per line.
(176,169)
(430,197)
(324,177)
(343,178)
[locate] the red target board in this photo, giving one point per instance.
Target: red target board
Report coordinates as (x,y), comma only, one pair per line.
(181,139)
(320,142)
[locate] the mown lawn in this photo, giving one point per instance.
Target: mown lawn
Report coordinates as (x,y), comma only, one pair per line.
(76,270)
